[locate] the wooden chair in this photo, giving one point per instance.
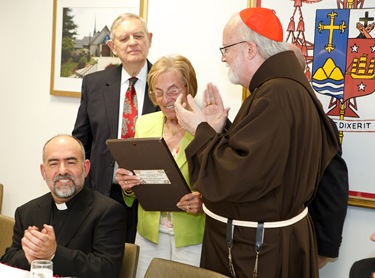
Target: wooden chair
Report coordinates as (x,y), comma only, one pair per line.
(130,261)
(161,268)
(6,228)
(1,196)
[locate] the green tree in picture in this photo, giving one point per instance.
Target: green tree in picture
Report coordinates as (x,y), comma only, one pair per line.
(69,28)
(69,31)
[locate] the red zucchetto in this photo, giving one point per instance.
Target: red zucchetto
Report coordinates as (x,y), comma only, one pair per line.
(264,22)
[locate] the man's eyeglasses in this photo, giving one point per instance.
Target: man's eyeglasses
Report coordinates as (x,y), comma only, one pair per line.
(224,49)
(172,92)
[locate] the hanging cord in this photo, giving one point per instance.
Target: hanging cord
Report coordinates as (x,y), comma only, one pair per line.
(230,229)
(258,246)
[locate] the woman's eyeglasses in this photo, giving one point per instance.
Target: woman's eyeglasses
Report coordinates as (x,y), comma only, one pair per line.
(174,91)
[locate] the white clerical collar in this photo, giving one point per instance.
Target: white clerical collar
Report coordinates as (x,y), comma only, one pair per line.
(61,206)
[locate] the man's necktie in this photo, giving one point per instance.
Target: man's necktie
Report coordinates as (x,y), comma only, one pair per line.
(130,112)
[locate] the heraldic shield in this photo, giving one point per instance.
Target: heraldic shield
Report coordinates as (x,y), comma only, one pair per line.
(344,57)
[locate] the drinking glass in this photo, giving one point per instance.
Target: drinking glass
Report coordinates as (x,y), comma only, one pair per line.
(41,269)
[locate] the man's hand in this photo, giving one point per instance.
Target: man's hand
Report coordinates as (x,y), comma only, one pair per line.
(39,244)
(188,119)
(213,108)
(213,111)
(322,261)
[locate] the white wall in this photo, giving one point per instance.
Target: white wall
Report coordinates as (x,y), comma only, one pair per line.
(29,115)
(197,34)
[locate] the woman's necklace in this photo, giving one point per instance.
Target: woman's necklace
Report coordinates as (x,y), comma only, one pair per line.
(174,132)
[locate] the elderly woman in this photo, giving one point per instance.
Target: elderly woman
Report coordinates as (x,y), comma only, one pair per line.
(174,236)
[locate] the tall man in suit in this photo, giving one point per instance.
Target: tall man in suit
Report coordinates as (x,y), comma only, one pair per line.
(100,113)
(79,229)
(329,206)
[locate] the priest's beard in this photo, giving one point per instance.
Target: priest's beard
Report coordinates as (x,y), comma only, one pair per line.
(234,68)
(65,190)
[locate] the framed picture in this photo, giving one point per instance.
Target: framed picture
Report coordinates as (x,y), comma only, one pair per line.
(341,33)
(81,29)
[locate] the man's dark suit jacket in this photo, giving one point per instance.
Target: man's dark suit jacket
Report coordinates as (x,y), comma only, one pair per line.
(97,120)
(91,242)
(329,206)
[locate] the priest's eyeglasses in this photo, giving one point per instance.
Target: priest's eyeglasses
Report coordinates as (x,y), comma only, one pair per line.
(224,49)
(171,92)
